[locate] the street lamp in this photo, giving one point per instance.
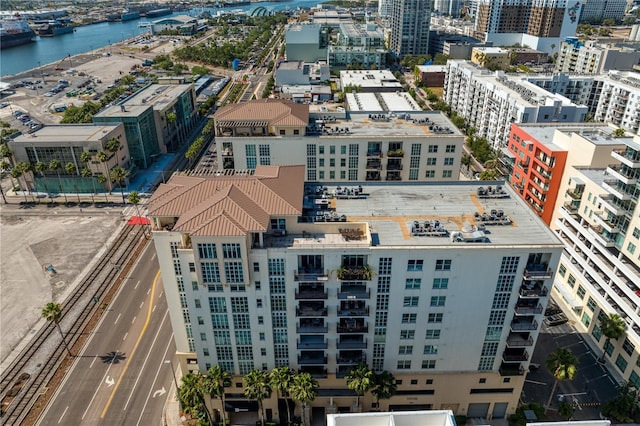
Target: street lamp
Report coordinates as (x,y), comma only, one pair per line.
(175,381)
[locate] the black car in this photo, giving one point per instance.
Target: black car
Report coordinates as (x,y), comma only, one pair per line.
(552,310)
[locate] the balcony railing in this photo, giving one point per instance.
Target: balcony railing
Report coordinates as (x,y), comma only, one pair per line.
(528,310)
(352,344)
(537,291)
(311,329)
(524,356)
(524,326)
(313,345)
(354,293)
(314,360)
(311,294)
(355,328)
(354,312)
(306,274)
(518,342)
(395,153)
(511,370)
(574,195)
(363,273)
(374,154)
(350,360)
(394,166)
(374,165)
(311,312)
(317,373)
(537,272)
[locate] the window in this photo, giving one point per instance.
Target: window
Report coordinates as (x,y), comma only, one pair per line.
(562,270)
(256,267)
(447,173)
(596,333)
(405,350)
(415,264)
(413,283)
(571,281)
(413,174)
(430,174)
(262,336)
(432,334)
(233,272)
(636,233)
(409,318)
(243,337)
(343,162)
(443,265)
(440,283)
(200,321)
(581,292)
(450,148)
(414,381)
(433,148)
(241,321)
(430,349)
(621,363)
(321,162)
(207,251)
(217,305)
(404,364)
(428,382)
(258,303)
(197,303)
(332,149)
(410,301)
(628,347)
(591,304)
(438,300)
(219,321)
(210,272)
(431,161)
(435,318)
(263,351)
(231,251)
(631,248)
(192,267)
(429,364)
(239,304)
(222,337)
(343,149)
(205,351)
(332,162)
(586,319)
(448,161)
(407,334)
(489,349)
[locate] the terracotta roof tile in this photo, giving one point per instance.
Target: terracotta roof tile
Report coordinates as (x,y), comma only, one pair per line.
(273,111)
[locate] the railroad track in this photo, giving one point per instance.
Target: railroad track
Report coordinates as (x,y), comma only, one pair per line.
(26,379)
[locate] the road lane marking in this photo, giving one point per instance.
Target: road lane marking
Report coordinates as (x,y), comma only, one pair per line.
(136,286)
(104,377)
(148,291)
(154,256)
(537,383)
(94,360)
(154,308)
(164,356)
(146,359)
(134,319)
(116,321)
(63,413)
(161,293)
(126,365)
(142,304)
(125,335)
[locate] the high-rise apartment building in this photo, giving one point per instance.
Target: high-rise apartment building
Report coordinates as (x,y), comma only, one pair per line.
(599,273)
(619,102)
(591,57)
(410,27)
(538,24)
(262,270)
(595,11)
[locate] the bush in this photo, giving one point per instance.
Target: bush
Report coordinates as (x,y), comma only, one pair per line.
(461,420)
(518,418)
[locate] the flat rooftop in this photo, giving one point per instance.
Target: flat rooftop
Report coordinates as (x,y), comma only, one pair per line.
(398,418)
(387,214)
(369,79)
(393,101)
(156,95)
(67,133)
(596,133)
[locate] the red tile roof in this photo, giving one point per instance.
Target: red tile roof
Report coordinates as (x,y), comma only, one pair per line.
(276,112)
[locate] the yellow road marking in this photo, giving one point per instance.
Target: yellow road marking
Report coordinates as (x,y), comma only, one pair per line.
(126,366)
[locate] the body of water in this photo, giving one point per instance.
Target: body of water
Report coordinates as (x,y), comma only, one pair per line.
(51,49)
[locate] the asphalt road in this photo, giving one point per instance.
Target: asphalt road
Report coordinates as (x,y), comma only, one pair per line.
(120,376)
(591,387)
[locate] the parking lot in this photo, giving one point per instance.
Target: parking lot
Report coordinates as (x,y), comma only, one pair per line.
(592,386)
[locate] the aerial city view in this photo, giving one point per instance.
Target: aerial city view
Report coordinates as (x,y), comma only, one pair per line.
(303,212)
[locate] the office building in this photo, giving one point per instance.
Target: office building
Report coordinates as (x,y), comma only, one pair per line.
(541,153)
(448,7)
(595,11)
(591,57)
(66,144)
(157,119)
(380,146)
(262,270)
(491,102)
(538,24)
(306,42)
(599,273)
(410,27)
(358,45)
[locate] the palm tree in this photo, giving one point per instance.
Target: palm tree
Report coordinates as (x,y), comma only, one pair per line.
(103,158)
(563,365)
(102,179)
(113,145)
(304,389)
(613,327)
(256,386)
(120,174)
(55,166)
(214,383)
(16,173)
(190,394)
(52,312)
(5,152)
(385,386)
(134,198)
(87,173)
(27,170)
(85,157)
(281,379)
(360,380)
(619,133)
(42,167)
(71,169)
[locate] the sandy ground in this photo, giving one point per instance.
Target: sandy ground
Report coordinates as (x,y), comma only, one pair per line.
(27,244)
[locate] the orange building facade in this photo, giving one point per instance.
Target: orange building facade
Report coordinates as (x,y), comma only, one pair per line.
(537,172)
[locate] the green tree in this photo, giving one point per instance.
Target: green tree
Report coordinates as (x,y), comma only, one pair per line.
(304,389)
(56,166)
(360,380)
(5,152)
(191,395)
(385,386)
(102,180)
(134,198)
(281,379)
(85,157)
(214,383)
(71,169)
(613,327)
(27,170)
(624,407)
(256,386)
(619,133)
(88,174)
(16,173)
(52,312)
(41,168)
(120,175)
(563,365)
(103,157)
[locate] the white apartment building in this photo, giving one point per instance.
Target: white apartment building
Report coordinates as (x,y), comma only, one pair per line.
(358,44)
(599,271)
(491,101)
(619,101)
(262,270)
(598,10)
(592,57)
(378,146)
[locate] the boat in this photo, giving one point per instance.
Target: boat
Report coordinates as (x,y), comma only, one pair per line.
(125,15)
(53,27)
(15,32)
(158,12)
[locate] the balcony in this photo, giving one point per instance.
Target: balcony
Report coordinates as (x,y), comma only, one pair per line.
(373,176)
(574,195)
(611,186)
(511,370)
(394,165)
(521,325)
(352,342)
(627,156)
(315,371)
(310,274)
(528,309)
(310,311)
(528,292)
(353,292)
(613,205)
(515,355)
(353,311)
(311,294)
(312,358)
(516,341)
(547,162)
(374,164)
(351,357)
(623,174)
(355,273)
(537,272)
(352,326)
(393,176)
(312,342)
(604,221)
(572,207)
(602,236)
(227,152)
(542,172)
(374,153)
(395,153)
(312,325)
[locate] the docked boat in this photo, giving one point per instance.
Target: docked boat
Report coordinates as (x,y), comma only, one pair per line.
(158,12)
(53,27)
(15,32)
